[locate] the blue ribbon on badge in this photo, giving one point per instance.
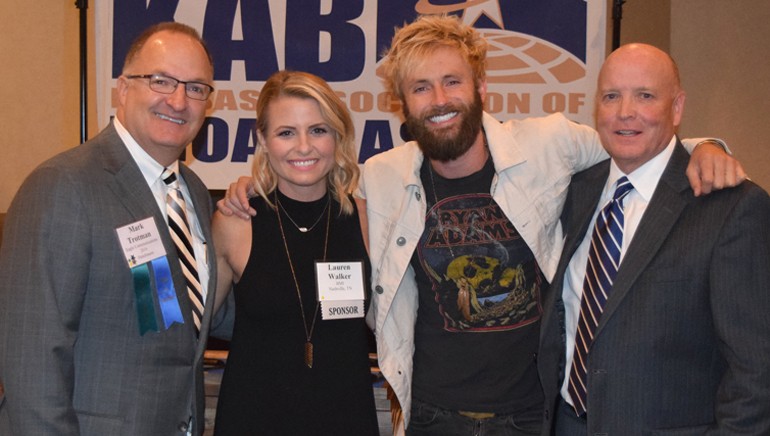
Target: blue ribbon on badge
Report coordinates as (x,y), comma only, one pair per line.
(145,307)
(164,286)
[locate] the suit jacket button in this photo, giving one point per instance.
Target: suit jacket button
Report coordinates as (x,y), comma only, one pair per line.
(401,241)
(378,289)
(183,427)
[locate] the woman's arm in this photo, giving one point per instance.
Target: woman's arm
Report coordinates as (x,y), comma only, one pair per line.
(232,242)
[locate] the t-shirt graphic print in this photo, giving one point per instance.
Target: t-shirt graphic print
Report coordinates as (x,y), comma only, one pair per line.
(484,276)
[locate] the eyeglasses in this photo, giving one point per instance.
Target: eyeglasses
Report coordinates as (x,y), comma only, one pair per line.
(167,85)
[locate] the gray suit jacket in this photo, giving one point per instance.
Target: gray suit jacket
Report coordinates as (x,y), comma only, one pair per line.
(681,347)
(71,356)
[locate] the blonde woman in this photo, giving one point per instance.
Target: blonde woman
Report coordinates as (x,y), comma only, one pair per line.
(291,371)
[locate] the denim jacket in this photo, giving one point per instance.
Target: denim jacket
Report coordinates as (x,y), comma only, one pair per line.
(534,160)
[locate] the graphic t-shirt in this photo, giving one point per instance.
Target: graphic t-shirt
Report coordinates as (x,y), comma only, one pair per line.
(479,301)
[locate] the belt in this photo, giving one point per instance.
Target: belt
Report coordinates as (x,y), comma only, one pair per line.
(476,415)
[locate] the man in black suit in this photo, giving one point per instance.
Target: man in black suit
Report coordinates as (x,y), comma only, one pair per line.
(680,344)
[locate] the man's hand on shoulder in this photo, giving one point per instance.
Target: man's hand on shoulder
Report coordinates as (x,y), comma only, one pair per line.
(236,199)
(711,168)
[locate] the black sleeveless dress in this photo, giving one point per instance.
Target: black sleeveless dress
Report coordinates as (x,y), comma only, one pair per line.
(267,389)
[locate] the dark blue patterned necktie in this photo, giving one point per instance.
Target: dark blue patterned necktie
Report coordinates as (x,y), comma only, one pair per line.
(602,266)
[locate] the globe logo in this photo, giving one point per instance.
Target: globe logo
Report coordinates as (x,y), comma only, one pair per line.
(520,58)
(513,57)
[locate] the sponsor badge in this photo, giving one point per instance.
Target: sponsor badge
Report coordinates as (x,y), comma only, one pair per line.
(340,289)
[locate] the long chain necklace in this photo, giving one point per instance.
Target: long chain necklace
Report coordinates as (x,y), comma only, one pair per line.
(300,228)
(439,222)
(308,332)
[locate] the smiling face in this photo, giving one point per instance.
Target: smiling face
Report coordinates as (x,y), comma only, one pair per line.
(163,124)
(443,104)
(639,104)
(300,146)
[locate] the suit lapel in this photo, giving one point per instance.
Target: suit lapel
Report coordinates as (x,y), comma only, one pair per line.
(585,190)
(129,186)
(577,217)
(671,197)
(127,182)
(586,196)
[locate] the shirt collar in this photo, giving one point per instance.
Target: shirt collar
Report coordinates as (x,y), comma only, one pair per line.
(150,168)
(645,178)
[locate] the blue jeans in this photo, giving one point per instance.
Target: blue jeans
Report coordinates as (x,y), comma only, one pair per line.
(429,420)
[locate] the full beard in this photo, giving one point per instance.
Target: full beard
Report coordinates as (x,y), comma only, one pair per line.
(441,145)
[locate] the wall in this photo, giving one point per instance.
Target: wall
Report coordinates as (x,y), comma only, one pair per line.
(39,87)
(646,21)
(720,45)
(722,51)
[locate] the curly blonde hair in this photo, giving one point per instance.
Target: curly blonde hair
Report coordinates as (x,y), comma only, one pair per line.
(343,177)
(413,41)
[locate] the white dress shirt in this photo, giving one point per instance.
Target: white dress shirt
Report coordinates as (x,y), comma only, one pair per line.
(645,181)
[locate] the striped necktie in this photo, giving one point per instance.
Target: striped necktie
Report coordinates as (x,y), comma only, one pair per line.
(180,233)
(602,266)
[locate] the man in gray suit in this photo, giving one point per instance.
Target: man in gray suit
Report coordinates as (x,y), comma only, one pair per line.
(674,339)
(98,335)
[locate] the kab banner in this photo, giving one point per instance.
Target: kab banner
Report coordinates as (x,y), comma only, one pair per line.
(544,56)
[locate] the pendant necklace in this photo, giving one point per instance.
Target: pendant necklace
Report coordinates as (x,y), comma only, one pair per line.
(308,332)
(464,291)
(439,223)
(300,228)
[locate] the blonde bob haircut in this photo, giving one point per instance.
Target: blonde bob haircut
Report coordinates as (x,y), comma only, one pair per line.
(414,41)
(343,177)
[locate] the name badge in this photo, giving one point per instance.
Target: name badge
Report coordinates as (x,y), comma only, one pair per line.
(140,242)
(146,257)
(340,289)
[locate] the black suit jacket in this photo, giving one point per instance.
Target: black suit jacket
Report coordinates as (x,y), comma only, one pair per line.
(682,344)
